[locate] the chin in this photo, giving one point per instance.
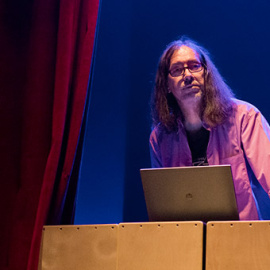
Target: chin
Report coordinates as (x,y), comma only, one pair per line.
(198,95)
(194,94)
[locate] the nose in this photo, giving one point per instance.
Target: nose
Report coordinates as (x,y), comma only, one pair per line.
(188,79)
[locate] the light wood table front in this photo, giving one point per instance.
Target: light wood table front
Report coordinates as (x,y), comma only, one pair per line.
(88,247)
(160,246)
(238,245)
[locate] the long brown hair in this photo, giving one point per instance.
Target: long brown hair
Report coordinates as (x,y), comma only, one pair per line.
(217,96)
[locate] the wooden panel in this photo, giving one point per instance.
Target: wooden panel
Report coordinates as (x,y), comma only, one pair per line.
(160,246)
(238,245)
(79,247)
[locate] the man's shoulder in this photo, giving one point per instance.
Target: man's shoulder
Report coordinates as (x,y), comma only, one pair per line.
(243,107)
(159,131)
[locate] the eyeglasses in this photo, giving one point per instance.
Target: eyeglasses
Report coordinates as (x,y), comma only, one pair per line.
(193,67)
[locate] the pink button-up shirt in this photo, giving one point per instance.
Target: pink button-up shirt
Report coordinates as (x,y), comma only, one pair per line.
(243,139)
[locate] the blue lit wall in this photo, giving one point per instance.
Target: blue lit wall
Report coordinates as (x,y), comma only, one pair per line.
(132,34)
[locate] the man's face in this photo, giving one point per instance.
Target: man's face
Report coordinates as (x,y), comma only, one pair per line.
(188,86)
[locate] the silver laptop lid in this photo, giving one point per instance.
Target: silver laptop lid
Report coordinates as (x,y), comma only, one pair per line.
(190,193)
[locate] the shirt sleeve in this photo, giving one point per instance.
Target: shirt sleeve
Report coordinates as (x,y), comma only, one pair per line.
(154,150)
(255,136)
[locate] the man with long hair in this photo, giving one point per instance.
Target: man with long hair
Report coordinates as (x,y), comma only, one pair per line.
(197,121)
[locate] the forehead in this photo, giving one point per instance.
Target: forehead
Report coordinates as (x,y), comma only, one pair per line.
(183,55)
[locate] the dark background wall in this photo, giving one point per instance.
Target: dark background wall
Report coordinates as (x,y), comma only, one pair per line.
(132,34)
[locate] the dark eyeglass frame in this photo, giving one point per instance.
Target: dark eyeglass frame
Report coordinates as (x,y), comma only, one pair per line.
(188,67)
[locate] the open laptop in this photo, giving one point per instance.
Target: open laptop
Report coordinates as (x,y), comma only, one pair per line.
(190,193)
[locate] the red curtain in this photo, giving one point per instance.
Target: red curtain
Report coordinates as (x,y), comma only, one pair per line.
(46,51)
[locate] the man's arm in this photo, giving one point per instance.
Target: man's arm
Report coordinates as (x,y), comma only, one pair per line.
(154,150)
(255,136)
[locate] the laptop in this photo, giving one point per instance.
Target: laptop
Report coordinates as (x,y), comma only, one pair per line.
(203,193)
